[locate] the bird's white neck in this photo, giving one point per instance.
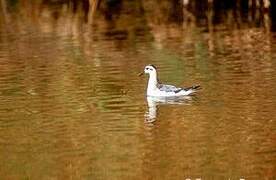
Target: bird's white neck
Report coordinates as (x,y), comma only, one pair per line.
(152,83)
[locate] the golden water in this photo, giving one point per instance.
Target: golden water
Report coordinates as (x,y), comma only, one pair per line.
(73,107)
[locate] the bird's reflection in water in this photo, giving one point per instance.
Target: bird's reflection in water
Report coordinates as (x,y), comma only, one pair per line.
(154,102)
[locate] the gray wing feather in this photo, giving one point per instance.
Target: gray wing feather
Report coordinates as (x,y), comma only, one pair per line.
(168,88)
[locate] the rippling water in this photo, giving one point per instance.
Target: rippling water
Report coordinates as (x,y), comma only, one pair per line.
(73,107)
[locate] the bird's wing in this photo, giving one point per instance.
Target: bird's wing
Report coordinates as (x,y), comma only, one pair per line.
(168,88)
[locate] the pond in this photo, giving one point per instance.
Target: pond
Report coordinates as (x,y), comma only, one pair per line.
(72,105)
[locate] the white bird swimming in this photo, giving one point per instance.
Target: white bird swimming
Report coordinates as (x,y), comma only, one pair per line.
(156,89)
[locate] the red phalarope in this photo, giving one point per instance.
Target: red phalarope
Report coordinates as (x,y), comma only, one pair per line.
(156,89)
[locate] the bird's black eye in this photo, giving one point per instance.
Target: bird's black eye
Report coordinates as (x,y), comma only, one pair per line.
(147,68)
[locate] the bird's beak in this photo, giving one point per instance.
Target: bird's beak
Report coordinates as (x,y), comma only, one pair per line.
(141,73)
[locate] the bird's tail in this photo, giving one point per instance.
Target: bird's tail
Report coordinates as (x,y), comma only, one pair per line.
(195,87)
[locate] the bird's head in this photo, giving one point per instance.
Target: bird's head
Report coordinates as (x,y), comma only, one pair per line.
(150,69)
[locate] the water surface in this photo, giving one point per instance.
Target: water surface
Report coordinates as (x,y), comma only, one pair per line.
(73,107)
